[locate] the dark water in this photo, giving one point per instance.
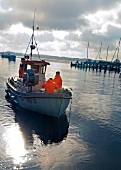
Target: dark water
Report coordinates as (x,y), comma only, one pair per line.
(88,137)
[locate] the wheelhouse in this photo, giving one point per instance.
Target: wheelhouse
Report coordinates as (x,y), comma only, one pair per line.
(36,65)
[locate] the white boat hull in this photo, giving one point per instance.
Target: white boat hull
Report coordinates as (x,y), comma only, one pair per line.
(41,102)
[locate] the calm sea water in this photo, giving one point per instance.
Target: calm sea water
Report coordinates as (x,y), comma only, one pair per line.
(88,137)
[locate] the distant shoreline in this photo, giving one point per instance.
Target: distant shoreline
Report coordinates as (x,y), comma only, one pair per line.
(47,57)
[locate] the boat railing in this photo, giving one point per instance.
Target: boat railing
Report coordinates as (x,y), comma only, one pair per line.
(65,90)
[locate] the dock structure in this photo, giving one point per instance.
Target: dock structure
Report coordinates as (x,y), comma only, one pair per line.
(98,65)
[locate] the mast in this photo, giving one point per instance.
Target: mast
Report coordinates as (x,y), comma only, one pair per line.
(117,52)
(87,50)
(32,40)
(117,48)
(99,52)
(107,53)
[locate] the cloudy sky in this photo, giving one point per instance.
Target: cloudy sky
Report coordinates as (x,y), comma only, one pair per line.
(65,27)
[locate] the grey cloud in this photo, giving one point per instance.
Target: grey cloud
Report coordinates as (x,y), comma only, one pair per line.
(58,15)
(54,14)
(45,37)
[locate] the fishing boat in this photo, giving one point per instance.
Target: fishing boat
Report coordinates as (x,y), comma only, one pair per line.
(27,92)
(10,57)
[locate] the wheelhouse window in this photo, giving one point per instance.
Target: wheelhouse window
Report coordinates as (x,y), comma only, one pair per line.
(43,69)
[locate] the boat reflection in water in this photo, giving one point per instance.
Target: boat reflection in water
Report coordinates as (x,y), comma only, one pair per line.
(48,129)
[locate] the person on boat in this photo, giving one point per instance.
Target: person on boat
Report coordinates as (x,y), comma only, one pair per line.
(50,86)
(21,71)
(58,80)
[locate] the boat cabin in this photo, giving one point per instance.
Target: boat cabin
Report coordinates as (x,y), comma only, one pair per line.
(36,65)
(33,74)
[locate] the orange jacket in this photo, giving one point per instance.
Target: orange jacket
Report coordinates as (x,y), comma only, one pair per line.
(50,86)
(20,72)
(58,81)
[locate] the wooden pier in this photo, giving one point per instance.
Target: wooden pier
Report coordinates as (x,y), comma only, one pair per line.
(98,65)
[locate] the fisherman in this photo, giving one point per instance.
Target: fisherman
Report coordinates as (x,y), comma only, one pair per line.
(50,86)
(58,80)
(21,71)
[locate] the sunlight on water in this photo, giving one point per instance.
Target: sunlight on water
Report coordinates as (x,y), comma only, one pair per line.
(14,144)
